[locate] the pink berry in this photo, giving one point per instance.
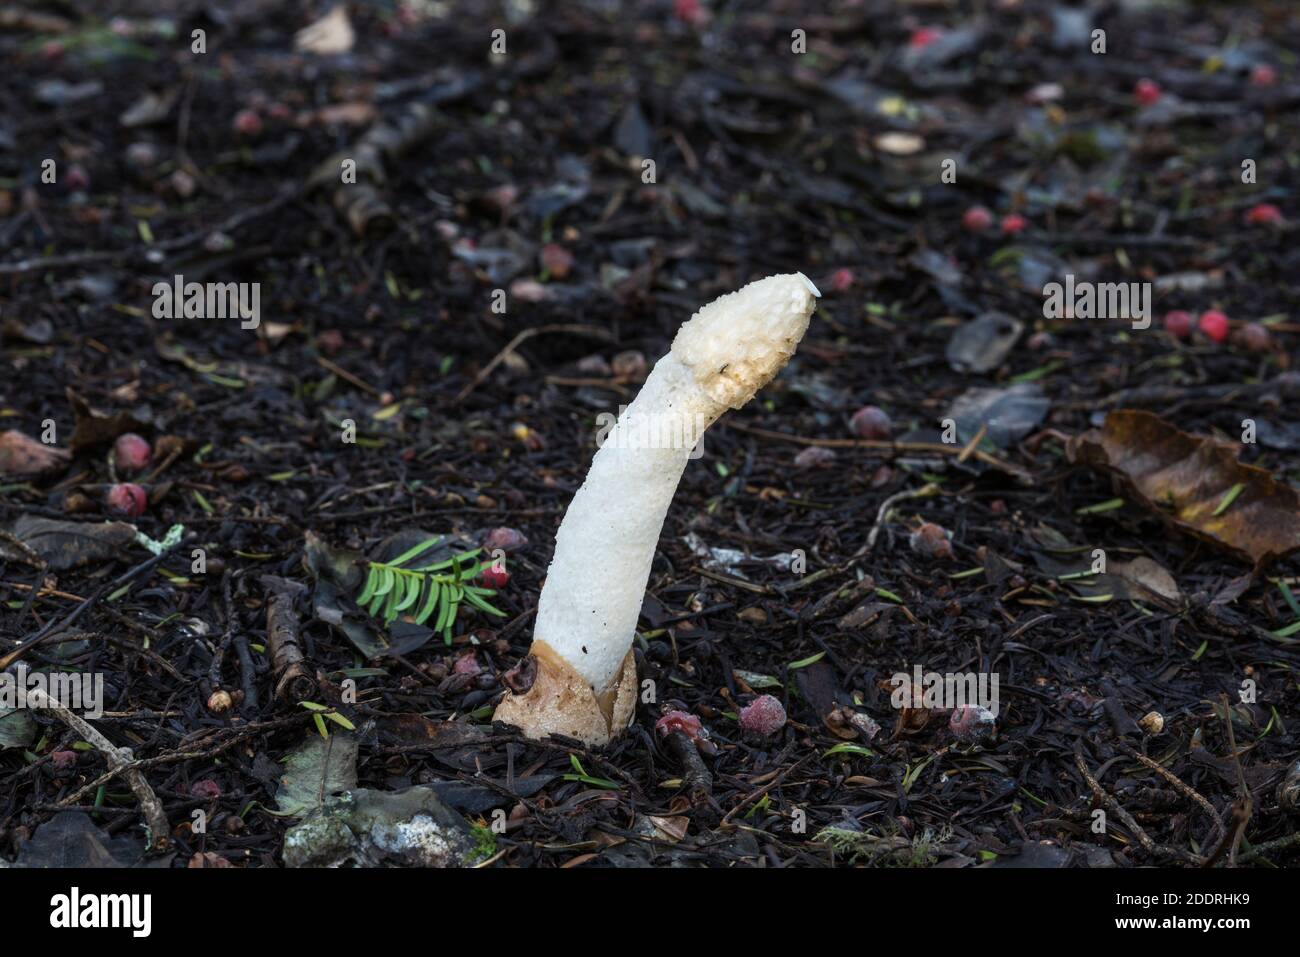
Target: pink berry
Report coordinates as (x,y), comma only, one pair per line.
(466,664)
(1146,92)
(1255,337)
(764,715)
(972,723)
(1013,223)
(506,539)
(63,760)
(131,452)
(1264,214)
(127,499)
(977,219)
(205,789)
(494,577)
(682,721)
(1262,74)
(52,50)
(923,37)
(1214,325)
(556,260)
(871,422)
(690,11)
(841,280)
(77,179)
(1179,323)
(247,123)
(814,457)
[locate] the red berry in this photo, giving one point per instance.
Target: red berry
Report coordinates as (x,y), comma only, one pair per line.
(764,715)
(1214,325)
(1264,214)
(971,723)
(1146,92)
(131,452)
(841,280)
(1255,337)
(1261,74)
(1014,223)
(494,577)
(871,422)
(682,721)
(247,123)
(923,37)
(977,219)
(127,499)
(1179,323)
(52,50)
(690,11)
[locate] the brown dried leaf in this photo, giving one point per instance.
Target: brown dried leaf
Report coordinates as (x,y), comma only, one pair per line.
(21,456)
(1184,479)
(93,428)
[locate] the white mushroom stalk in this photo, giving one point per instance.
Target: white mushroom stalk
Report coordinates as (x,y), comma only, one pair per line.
(581,681)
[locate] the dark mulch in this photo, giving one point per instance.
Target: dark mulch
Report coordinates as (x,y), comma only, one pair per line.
(766,161)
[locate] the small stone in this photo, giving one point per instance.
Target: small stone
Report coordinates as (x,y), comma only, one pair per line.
(1153,722)
(931,541)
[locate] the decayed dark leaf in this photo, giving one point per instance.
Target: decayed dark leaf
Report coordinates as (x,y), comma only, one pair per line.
(981,344)
(319,768)
(65,545)
(21,456)
(1010,413)
(1186,479)
(71,839)
(93,429)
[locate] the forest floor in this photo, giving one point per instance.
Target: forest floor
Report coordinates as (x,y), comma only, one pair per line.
(1123,576)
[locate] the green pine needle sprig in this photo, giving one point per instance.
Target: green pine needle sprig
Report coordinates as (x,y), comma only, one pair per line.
(426,592)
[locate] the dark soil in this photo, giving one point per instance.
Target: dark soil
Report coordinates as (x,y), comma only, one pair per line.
(765,161)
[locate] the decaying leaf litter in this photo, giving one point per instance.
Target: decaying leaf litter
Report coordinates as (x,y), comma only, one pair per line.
(1121,689)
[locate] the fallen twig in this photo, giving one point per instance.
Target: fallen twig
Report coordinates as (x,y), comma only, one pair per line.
(121,759)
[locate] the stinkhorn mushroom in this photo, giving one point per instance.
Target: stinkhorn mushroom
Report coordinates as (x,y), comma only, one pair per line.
(580,677)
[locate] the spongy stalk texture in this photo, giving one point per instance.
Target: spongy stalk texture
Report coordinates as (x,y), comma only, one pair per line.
(725,353)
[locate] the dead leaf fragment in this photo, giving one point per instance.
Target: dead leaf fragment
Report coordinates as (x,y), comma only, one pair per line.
(1185,479)
(64,545)
(330,34)
(93,428)
(21,456)
(899,144)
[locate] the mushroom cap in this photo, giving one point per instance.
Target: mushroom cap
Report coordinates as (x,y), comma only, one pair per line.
(737,343)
